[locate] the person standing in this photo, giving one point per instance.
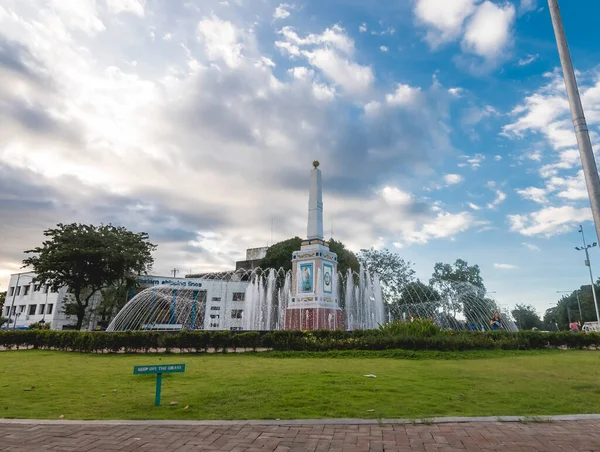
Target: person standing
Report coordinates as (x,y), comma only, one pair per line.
(574,326)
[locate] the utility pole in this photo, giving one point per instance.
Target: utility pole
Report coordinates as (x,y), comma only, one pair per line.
(588,162)
(585,248)
(175,271)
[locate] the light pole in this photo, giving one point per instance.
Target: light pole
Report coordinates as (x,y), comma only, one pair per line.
(585,248)
(588,162)
(578,303)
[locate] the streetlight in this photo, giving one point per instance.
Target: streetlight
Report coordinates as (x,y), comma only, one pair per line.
(578,303)
(585,248)
(586,153)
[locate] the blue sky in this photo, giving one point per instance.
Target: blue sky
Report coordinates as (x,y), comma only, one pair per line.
(442,128)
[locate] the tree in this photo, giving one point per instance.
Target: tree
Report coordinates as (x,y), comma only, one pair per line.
(414,292)
(87,259)
(279,255)
(393,272)
(2,300)
(526,317)
(461,285)
(114,298)
(567,308)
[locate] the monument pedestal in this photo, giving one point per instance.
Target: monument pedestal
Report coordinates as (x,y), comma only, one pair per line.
(314,319)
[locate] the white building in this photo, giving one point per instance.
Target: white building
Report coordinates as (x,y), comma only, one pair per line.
(29,302)
(222,298)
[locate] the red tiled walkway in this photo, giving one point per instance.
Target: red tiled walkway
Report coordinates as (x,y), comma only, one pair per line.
(578,436)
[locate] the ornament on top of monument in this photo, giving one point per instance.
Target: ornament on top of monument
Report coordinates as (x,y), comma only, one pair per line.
(316,163)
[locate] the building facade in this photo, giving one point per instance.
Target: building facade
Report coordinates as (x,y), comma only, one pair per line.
(221,300)
(29,302)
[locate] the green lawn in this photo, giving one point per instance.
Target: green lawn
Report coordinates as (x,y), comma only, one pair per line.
(248,386)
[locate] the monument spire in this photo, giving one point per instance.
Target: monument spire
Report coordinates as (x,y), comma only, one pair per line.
(315,205)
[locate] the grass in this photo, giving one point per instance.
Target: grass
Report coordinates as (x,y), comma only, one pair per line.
(249,386)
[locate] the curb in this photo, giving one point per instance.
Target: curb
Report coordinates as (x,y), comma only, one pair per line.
(343,421)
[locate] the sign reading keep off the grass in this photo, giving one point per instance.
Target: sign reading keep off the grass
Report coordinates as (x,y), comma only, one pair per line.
(161,369)
(158,370)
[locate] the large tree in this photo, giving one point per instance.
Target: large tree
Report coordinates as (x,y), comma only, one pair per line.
(88,258)
(567,308)
(526,317)
(414,293)
(393,272)
(462,287)
(2,300)
(279,255)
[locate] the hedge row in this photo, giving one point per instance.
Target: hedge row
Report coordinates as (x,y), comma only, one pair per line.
(223,341)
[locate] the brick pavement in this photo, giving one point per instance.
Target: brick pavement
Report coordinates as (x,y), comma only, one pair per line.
(578,436)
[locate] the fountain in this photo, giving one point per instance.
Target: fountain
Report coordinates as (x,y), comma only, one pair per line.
(313,295)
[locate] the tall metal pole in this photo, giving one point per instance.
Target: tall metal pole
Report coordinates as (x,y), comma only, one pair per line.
(579,305)
(589,266)
(588,161)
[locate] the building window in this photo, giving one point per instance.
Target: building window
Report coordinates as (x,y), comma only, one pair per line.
(7,311)
(22,308)
(41,311)
(49,310)
(216,298)
(239,296)
(32,309)
(214,316)
(18,290)
(37,287)
(26,290)
(214,325)
(236,328)
(215,308)
(12,291)
(46,288)
(236,313)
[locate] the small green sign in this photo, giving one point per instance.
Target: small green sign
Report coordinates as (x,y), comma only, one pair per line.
(159,369)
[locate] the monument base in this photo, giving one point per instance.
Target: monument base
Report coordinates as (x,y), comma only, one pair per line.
(314,319)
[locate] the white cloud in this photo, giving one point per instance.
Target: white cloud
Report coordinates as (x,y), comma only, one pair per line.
(331,52)
(473,206)
(488,32)
(383,49)
(444,19)
(527,6)
(222,40)
(531,246)
(497,158)
(549,221)
(395,197)
(129,6)
(352,77)
(500,197)
(282,11)
(528,59)
(362,28)
(505,266)
(456,92)
(452,179)
(404,95)
(472,161)
(534,194)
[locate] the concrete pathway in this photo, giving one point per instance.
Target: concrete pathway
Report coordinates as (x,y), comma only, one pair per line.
(314,436)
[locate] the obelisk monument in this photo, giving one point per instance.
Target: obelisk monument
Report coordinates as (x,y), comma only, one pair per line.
(314,304)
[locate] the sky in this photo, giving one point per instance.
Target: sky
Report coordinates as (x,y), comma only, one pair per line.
(442,128)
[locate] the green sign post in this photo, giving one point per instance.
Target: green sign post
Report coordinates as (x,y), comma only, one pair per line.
(158,370)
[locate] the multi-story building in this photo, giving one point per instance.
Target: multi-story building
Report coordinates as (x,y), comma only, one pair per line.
(28,301)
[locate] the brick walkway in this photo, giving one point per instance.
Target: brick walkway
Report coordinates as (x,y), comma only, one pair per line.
(556,436)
